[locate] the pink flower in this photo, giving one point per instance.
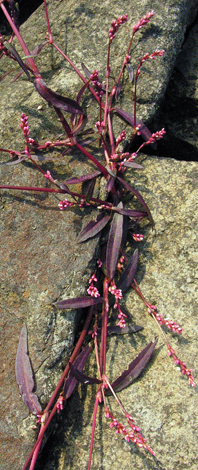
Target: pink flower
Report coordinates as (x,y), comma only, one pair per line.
(181,364)
(115,24)
(143,21)
(93,291)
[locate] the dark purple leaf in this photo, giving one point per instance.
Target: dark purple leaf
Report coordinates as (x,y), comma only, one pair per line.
(79,363)
(82,179)
(114,243)
(83,378)
(79,302)
(17,57)
(59,101)
(132,165)
(118,91)
(128,274)
(81,91)
(131,213)
(129,118)
(24,375)
(116,329)
(85,70)
(93,228)
(90,190)
(110,183)
(134,370)
(139,197)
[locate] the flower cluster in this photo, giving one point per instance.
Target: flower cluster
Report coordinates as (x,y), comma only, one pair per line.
(138,237)
(116,292)
(115,24)
(64,204)
(96,83)
(121,316)
(92,290)
(121,137)
(49,177)
(171,325)
(148,56)
(143,21)
(181,364)
(134,435)
(59,404)
(25,126)
(155,136)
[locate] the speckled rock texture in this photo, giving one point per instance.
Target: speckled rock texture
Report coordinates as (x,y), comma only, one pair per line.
(42,263)
(161,402)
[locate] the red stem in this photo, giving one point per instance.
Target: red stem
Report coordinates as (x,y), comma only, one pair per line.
(93,159)
(21,41)
(105,311)
(93,431)
(53,411)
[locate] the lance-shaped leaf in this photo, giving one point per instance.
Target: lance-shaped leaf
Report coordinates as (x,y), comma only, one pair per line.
(114,243)
(132,165)
(131,213)
(79,302)
(129,118)
(83,178)
(134,370)
(59,101)
(130,71)
(116,329)
(71,381)
(24,375)
(128,274)
(17,57)
(83,378)
(93,228)
(139,197)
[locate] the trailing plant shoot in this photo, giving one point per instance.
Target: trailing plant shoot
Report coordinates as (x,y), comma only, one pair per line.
(117,224)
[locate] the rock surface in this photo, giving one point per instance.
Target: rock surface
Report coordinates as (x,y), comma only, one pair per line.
(41,261)
(161,402)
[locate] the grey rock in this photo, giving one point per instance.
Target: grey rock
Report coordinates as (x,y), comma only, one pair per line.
(161,402)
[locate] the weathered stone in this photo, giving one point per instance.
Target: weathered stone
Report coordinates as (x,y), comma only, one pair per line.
(41,261)
(161,402)
(180,107)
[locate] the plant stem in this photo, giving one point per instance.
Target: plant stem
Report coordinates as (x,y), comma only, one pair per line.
(21,41)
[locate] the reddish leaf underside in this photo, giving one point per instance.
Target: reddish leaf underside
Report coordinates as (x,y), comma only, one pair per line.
(134,370)
(139,197)
(93,228)
(129,118)
(79,302)
(79,363)
(128,274)
(83,378)
(114,243)
(24,375)
(59,101)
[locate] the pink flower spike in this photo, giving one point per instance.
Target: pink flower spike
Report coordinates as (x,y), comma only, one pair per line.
(143,21)
(93,291)
(64,204)
(182,365)
(138,237)
(115,24)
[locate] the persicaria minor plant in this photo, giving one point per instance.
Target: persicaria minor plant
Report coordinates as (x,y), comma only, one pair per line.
(116,224)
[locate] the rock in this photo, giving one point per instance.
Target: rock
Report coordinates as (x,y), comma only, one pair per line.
(178,114)
(41,261)
(161,402)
